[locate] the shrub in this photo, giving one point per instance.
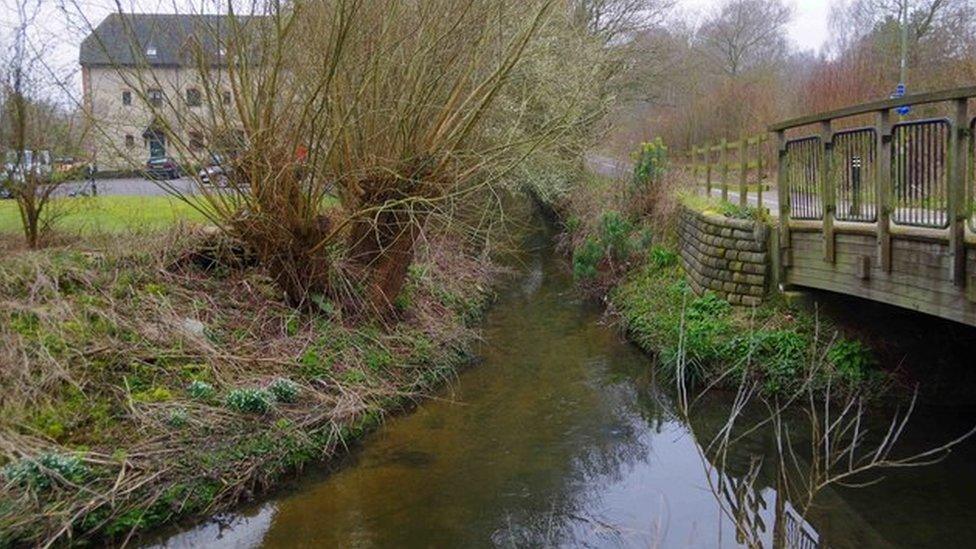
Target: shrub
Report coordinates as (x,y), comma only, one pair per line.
(284,390)
(200,390)
(39,473)
(615,232)
(251,401)
(586,259)
(650,163)
(851,359)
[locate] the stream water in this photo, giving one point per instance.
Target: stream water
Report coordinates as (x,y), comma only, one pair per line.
(561,435)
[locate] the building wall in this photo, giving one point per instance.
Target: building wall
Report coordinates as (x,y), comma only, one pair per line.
(110,120)
(727,256)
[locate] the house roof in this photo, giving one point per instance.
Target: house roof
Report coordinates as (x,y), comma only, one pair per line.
(157,39)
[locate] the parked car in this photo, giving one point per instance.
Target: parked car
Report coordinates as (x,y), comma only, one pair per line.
(215,172)
(162,167)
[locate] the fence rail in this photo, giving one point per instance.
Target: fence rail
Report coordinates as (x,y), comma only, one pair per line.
(745,158)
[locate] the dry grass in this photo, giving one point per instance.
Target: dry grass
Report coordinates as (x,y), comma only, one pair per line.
(99,348)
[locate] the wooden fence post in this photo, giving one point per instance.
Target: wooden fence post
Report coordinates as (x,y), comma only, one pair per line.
(708,170)
(782,187)
(885,145)
(743,171)
(958,166)
(759,171)
(827,188)
(724,161)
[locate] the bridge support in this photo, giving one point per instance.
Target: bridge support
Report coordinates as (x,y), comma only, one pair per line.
(827,189)
(957,168)
(884,189)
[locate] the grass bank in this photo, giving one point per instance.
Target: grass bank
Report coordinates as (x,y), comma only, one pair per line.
(621,238)
(106,214)
(164,377)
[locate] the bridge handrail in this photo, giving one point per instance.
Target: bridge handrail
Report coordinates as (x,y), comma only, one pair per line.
(875,106)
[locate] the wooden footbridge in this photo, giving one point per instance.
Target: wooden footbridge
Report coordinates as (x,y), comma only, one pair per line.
(870,203)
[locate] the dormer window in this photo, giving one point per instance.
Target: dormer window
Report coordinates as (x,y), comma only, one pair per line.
(151,51)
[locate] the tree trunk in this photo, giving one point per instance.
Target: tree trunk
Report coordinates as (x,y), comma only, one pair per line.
(383,246)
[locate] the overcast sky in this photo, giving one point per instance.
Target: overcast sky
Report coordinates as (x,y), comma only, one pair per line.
(66,28)
(808,29)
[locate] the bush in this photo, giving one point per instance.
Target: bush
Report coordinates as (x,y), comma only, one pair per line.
(586,259)
(200,390)
(251,401)
(851,360)
(284,390)
(40,473)
(615,233)
(651,161)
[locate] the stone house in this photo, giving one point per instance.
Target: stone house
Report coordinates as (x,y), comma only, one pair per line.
(155,85)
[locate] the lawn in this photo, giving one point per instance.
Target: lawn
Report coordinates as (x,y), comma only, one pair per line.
(108,214)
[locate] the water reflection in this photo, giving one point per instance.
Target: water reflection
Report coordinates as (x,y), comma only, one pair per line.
(560,436)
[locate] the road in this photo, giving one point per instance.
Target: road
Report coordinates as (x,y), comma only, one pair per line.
(132,186)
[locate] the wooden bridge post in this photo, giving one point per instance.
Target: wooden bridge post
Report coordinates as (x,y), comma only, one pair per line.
(957,168)
(827,188)
(784,203)
(884,144)
(743,171)
(723,156)
(708,169)
(759,173)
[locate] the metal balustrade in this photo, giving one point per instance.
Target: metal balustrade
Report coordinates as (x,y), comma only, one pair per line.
(920,182)
(854,175)
(803,158)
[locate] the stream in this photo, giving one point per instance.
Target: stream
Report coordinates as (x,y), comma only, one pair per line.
(560,435)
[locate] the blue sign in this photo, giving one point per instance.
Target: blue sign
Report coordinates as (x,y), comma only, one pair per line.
(900,92)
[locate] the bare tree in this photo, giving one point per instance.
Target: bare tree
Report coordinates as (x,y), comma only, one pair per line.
(743,34)
(33,125)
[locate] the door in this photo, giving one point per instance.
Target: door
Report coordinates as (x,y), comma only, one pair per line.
(157,145)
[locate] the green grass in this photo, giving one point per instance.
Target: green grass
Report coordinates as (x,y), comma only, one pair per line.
(107,214)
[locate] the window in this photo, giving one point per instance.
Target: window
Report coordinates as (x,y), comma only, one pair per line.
(130,141)
(155,97)
(196,141)
(226,98)
(192,97)
(126,98)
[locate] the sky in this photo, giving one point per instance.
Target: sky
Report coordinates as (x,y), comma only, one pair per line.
(808,30)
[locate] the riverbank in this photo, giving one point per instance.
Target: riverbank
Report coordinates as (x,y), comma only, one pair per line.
(146,382)
(623,245)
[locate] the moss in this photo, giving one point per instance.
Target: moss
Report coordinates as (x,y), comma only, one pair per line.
(154,394)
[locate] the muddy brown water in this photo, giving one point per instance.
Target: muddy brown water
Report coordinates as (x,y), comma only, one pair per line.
(562,436)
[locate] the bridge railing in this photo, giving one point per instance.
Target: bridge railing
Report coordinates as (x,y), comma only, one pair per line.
(713,166)
(913,175)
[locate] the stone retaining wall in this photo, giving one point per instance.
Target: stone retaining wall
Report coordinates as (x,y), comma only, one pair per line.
(727,256)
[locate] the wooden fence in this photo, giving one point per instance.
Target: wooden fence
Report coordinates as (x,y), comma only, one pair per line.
(744,158)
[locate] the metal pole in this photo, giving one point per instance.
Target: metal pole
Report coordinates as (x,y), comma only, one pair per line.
(904,43)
